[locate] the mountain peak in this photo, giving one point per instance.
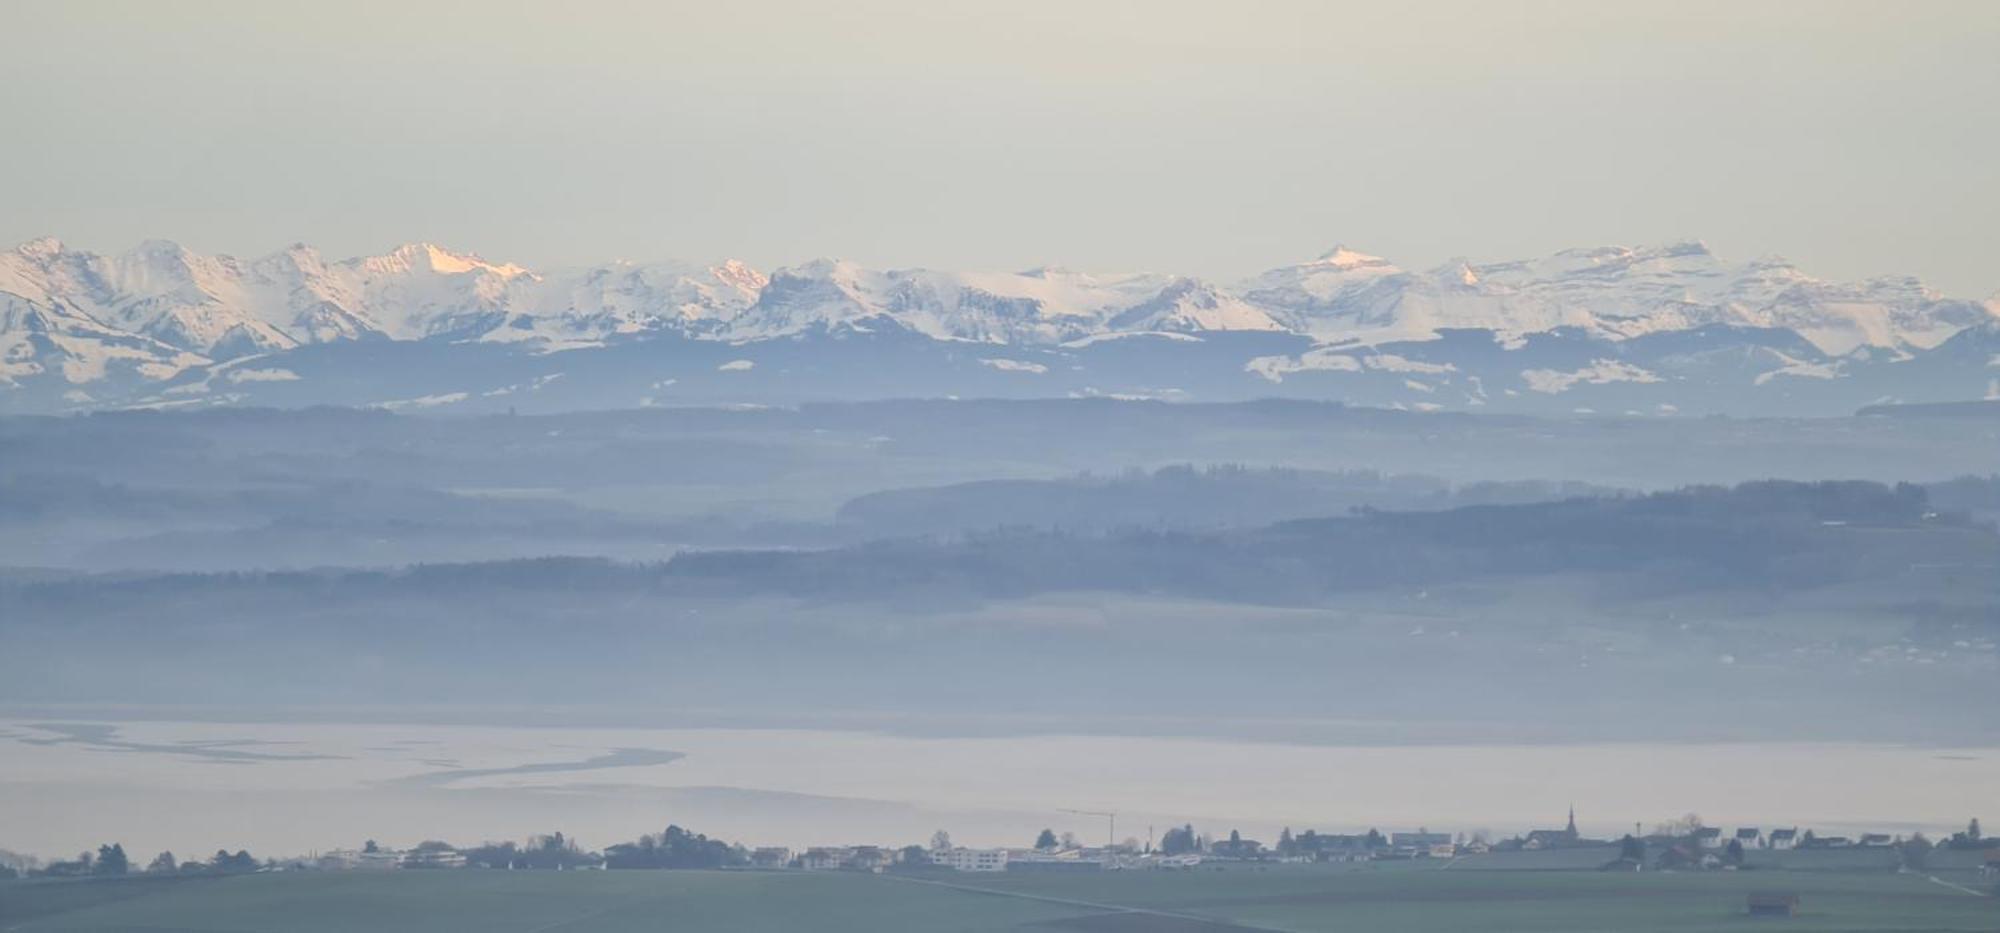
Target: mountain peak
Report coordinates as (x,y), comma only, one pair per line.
(824,267)
(1686,248)
(40,247)
(159,247)
(740,274)
(442,261)
(1342,257)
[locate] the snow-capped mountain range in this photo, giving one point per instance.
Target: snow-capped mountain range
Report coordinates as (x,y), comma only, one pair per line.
(160,324)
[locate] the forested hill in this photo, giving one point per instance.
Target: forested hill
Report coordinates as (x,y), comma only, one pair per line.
(1759,535)
(1176,498)
(1770,535)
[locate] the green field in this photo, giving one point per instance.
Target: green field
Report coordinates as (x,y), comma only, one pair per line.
(1202,901)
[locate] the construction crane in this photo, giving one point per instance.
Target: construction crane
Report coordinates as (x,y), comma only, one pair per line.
(1110,828)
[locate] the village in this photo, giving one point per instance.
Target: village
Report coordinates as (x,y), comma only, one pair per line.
(1687,846)
(1682,845)
(1781,860)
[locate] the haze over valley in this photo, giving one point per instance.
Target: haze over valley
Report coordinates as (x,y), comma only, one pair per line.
(1099,466)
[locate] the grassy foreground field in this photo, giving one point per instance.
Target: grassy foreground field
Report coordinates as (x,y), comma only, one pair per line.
(1292,899)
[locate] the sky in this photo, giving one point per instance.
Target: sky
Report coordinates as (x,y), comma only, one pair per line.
(1219,139)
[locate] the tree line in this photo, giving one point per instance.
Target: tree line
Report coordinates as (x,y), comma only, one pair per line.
(110,861)
(680,848)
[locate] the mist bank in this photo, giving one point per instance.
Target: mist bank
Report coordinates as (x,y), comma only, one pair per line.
(1758,537)
(957,441)
(1763,537)
(246,489)
(1830,610)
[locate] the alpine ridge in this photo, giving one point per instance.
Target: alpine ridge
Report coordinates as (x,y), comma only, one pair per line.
(1660,329)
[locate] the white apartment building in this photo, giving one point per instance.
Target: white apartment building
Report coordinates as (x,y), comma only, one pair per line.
(964,859)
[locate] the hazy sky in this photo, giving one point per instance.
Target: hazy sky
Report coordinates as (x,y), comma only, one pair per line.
(1213,137)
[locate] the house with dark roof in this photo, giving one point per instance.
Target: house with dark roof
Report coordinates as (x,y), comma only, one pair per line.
(1747,836)
(1685,855)
(1783,838)
(1708,837)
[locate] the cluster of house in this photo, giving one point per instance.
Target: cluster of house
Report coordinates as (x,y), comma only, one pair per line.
(958,858)
(1750,837)
(1702,845)
(428,855)
(1692,847)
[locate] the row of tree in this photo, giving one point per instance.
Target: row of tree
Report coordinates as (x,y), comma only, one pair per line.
(675,848)
(110,861)
(678,848)
(553,851)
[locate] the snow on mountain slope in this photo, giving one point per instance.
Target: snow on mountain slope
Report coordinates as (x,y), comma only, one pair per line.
(72,319)
(622,299)
(1616,292)
(1343,294)
(1041,306)
(223,307)
(57,350)
(829,295)
(1192,306)
(157,290)
(419,290)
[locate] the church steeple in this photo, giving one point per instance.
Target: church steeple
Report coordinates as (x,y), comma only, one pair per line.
(1571,828)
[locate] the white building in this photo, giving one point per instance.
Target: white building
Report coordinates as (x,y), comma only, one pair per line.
(431,857)
(825,858)
(358,860)
(963,859)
